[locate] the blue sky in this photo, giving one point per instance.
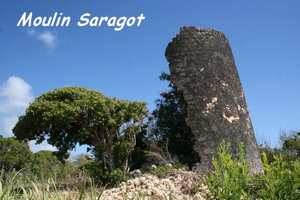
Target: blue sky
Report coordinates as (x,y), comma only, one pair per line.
(264,37)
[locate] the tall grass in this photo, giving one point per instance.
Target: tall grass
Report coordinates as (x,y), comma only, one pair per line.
(16,185)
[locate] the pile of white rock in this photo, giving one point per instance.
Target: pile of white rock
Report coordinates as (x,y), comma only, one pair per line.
(178,185)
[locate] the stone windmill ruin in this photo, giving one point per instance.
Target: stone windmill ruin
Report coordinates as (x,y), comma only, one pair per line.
(203,69)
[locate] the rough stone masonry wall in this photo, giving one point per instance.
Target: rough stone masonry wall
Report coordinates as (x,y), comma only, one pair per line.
(203,69)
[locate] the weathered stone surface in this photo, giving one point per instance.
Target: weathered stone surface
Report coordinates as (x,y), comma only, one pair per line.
(203,69)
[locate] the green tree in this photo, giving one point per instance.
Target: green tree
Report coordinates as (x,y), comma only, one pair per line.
(14,154)
(170,127)
(291,144)
(45,165)
(69,116)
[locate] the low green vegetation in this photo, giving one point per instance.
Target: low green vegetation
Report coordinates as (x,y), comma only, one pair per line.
(14,154)
(231,179)
(14,185)
(162,171)
(104,177)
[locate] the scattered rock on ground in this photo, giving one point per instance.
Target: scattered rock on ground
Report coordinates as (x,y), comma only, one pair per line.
(179,185)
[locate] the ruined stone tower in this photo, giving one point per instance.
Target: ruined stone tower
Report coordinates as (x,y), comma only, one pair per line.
(203,69)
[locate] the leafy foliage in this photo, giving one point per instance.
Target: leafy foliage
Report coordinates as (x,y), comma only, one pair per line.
(69,116)
(103,177)
(270,153)
(46,165)
(14,154)
(291,144)
(231,179)
(82,159)
(281,179)
(289,151)
(141,148)
(121,152)
(170,126)
(162,171)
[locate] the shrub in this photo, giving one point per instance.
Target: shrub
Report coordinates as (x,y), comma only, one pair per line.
(291,144)
(270,153)
(97,171)
(138,159)
(115,177)
(281,179)
(289,151)
(160,171)
(164,170)
(46,165)
(82,160)
(230,177)
(121,154)
(14,154)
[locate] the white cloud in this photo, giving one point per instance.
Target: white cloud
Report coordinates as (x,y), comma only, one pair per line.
(48,38)
(15,96)
(8,123)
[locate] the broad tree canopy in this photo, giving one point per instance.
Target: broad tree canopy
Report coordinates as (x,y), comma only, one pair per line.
(72,115)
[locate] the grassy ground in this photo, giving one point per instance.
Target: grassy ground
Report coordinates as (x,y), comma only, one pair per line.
(17,186)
